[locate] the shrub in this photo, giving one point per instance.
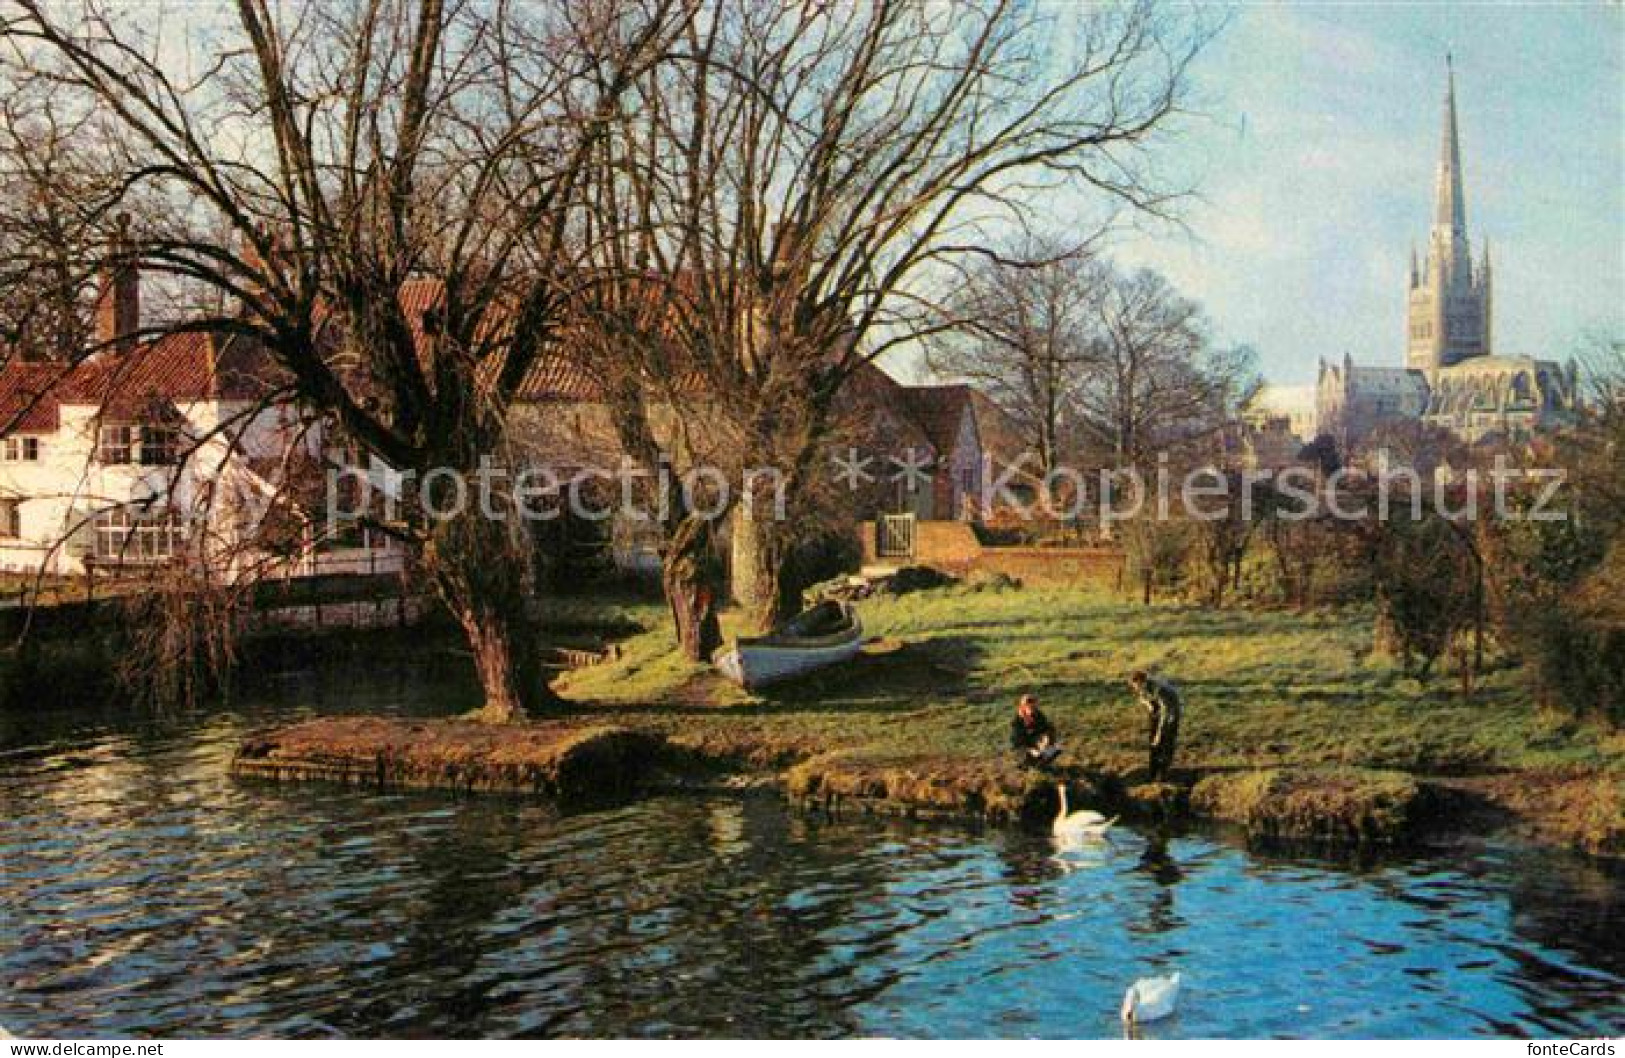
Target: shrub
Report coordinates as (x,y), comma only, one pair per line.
(1574,642)
(1429,589)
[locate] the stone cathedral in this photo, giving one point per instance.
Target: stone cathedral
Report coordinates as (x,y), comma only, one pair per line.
(1453,376)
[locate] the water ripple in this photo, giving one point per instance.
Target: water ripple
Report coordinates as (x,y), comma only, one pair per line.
(142,892)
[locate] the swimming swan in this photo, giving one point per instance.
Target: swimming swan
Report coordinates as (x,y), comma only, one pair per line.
(1080,824)
(1150,998)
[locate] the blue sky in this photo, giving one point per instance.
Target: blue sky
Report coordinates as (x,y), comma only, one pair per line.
(1314,154)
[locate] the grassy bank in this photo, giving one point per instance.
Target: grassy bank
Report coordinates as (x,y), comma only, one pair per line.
(1264,691)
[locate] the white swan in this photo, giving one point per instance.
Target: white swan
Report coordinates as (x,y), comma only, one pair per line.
(1080,824)
(1150,998)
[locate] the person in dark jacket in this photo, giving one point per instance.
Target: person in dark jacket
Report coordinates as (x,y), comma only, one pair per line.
(1163,708)
(1032,736)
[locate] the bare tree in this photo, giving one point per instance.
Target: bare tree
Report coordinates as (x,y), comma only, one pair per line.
(1429,579)
(1414,445)
(1556,587)
(811,173)
(1158,381)
(1595,450)
(1026,338)
(315,163)
(46,219)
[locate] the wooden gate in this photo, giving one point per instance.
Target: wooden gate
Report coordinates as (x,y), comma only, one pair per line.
(894,536)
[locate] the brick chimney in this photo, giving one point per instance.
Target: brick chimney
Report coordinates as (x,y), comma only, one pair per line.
(118,304)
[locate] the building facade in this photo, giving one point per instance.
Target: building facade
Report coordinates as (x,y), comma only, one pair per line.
(163,451)
(1454,377)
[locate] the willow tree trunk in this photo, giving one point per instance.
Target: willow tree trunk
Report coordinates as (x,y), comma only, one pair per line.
(480,572)
(770,523)
(766,580)
(693,580)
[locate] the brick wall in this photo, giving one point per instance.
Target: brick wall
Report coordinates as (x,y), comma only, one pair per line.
(949,546)
(1055,566)
(953,548)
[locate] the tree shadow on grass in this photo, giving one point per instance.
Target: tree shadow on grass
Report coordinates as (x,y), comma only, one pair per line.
(916,674)
(899,681)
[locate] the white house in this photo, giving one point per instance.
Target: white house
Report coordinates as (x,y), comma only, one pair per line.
(155,452)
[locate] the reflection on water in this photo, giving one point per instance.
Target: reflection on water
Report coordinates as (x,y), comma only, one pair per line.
(142,891)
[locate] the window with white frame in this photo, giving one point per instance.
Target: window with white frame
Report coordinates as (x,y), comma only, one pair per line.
(150,446)
(11,519)
(115,445)
(160,446)
(127,534)
(21,450)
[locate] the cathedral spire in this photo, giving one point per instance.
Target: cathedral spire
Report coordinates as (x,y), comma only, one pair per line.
(1450,211)
(1449,307)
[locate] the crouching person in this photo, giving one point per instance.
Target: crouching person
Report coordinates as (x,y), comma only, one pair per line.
(1032,736)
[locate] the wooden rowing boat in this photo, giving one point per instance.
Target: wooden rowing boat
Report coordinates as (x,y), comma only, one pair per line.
(827,634)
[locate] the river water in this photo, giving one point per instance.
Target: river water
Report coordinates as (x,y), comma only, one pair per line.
(142,891)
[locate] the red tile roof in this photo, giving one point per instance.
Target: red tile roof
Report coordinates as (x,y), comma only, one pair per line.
(178,368)
(550,378)
(26,402)
(870,392)
(173,369)
(937,411)
(559,378)
(1001,436)
(184,367)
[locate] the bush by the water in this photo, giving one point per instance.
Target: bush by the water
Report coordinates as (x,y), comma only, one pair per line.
(1560,591)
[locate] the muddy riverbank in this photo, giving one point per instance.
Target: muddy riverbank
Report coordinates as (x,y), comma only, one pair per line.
(589,758)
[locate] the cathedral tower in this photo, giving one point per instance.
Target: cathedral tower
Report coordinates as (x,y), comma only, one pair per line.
(1449,300)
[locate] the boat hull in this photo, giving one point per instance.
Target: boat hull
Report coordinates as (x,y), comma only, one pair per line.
(754,663)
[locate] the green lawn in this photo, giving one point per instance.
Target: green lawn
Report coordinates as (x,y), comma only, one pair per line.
(1262,689)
